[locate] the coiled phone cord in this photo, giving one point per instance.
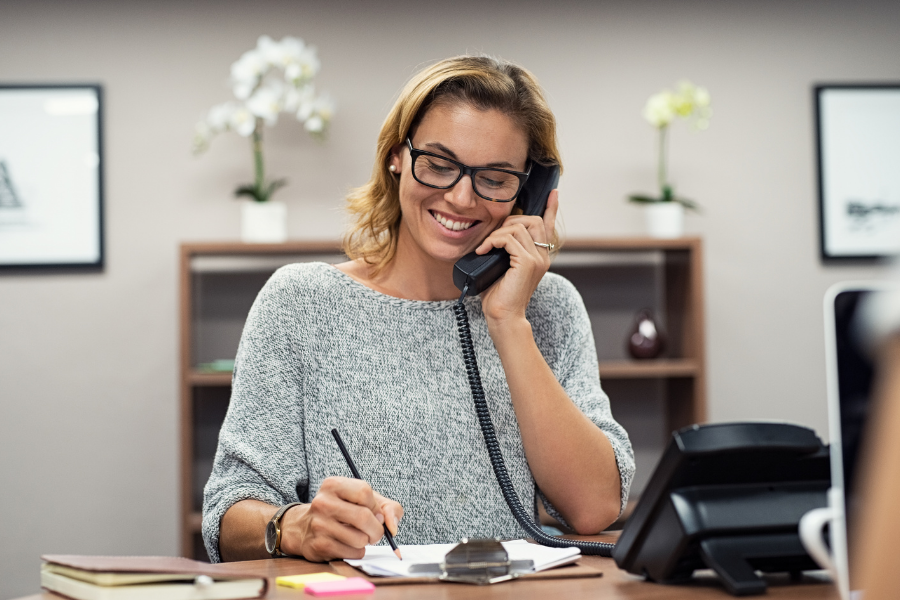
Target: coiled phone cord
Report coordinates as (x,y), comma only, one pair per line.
(493,447)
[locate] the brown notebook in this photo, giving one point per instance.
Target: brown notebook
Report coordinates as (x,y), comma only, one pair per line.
(139,577)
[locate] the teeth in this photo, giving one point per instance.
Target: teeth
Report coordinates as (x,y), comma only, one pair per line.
(450,224)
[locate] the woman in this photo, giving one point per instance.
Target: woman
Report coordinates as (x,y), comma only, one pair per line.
(370,346)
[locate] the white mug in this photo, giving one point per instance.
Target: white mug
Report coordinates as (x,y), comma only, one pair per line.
(812,526)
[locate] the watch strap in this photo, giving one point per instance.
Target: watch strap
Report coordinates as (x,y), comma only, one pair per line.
(276,521)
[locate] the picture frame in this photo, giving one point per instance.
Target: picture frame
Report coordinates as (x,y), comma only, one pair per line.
(51,177)
(858,159)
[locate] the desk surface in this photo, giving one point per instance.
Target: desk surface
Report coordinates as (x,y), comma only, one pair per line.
(614,585)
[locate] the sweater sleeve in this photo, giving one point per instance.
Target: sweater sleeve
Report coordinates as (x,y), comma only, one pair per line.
(260,452)
(563,330)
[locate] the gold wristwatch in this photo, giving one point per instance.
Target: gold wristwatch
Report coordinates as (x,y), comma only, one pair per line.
(273,531)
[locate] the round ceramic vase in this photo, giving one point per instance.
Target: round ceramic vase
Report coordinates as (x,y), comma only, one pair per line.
(263,222)
(646,339)
(664,219)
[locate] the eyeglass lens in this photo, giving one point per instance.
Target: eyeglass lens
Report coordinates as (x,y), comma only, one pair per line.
(498,185)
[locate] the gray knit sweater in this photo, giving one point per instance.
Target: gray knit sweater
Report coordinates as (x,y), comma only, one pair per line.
(320,350)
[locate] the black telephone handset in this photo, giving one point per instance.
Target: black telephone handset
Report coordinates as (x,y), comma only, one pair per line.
(480,271)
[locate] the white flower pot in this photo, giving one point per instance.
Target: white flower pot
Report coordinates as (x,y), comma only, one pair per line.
(664,219)
(263,222)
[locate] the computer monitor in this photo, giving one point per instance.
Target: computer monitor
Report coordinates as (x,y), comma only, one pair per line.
(850,374)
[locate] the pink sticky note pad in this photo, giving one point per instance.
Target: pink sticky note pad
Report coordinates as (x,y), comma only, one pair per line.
(351,585)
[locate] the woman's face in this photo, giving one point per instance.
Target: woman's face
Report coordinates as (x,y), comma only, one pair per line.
(447,224)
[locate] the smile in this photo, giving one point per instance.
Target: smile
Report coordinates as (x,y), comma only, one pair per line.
(451,224)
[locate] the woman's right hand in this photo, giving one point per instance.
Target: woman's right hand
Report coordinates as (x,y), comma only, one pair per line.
(343,518)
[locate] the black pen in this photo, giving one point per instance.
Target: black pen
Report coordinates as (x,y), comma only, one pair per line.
(340,443)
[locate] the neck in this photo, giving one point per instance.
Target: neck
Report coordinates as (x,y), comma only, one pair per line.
(413,276)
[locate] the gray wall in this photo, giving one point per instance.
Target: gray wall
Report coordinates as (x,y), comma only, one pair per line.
(88,363)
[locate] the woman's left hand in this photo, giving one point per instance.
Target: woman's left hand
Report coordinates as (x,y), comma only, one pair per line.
(509,296)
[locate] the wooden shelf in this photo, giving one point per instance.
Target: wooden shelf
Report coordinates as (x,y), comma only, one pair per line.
(204,379)
(241,248)
(627,369)
(611,369)
(629,244)
(615,276)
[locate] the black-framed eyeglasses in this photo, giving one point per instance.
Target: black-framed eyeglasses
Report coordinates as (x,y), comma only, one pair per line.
(490,183)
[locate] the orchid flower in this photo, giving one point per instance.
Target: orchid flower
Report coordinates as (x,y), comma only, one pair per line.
(265,103)
(659,110)
(273,77)
(242,122)
(688,101)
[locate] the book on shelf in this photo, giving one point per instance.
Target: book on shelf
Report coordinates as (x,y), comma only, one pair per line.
(145,577)
(220,365)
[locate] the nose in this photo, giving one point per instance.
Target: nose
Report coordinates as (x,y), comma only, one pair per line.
(462,194)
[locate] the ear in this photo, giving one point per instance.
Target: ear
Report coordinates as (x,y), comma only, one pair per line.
(395,160)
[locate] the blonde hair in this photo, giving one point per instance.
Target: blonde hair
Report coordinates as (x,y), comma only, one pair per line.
(482,82)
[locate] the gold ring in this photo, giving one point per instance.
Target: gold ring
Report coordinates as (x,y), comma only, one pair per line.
(549,247)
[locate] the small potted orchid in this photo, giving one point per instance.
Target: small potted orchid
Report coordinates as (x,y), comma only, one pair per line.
(665,213)
(273,78)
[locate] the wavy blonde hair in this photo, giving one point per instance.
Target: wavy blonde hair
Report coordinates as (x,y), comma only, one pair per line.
(482,82)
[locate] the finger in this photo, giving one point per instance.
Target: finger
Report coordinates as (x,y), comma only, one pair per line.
(523,253)
(354,491)
(527,237)
(547,221)
(344,533)
(518,230)
(519,252)
(360,518)
(392,511)
(328,541)
(534,225)
(525,242)
(535,234)
(330,506)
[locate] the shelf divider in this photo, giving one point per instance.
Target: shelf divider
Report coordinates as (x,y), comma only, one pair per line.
(658,368)
(204,379)
(195,522)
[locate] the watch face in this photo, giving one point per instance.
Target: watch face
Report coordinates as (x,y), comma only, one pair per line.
(271,537)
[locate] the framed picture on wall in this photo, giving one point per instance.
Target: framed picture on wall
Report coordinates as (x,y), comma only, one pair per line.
(51,176)
(859,169)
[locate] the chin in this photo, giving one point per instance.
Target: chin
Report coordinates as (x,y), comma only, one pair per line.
(450,252)
(447,257)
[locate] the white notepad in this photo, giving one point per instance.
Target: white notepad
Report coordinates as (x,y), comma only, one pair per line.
(380,561)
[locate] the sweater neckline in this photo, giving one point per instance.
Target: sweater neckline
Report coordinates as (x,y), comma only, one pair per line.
(345,280)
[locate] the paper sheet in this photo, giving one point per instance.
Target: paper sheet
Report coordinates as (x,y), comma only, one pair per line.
(380,561)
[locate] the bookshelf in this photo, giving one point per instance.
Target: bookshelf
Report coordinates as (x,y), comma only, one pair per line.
(615,276)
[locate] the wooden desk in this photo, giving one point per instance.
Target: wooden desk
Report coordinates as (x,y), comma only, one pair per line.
(614,585)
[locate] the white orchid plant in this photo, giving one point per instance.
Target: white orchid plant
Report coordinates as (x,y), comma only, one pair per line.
(688,101)
(273,78)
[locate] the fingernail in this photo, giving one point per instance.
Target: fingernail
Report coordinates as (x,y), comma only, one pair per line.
(380,518)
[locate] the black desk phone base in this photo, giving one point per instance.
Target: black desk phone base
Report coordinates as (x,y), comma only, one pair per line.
(727,497)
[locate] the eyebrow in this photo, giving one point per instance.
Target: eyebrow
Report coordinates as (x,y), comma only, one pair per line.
(445,150)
